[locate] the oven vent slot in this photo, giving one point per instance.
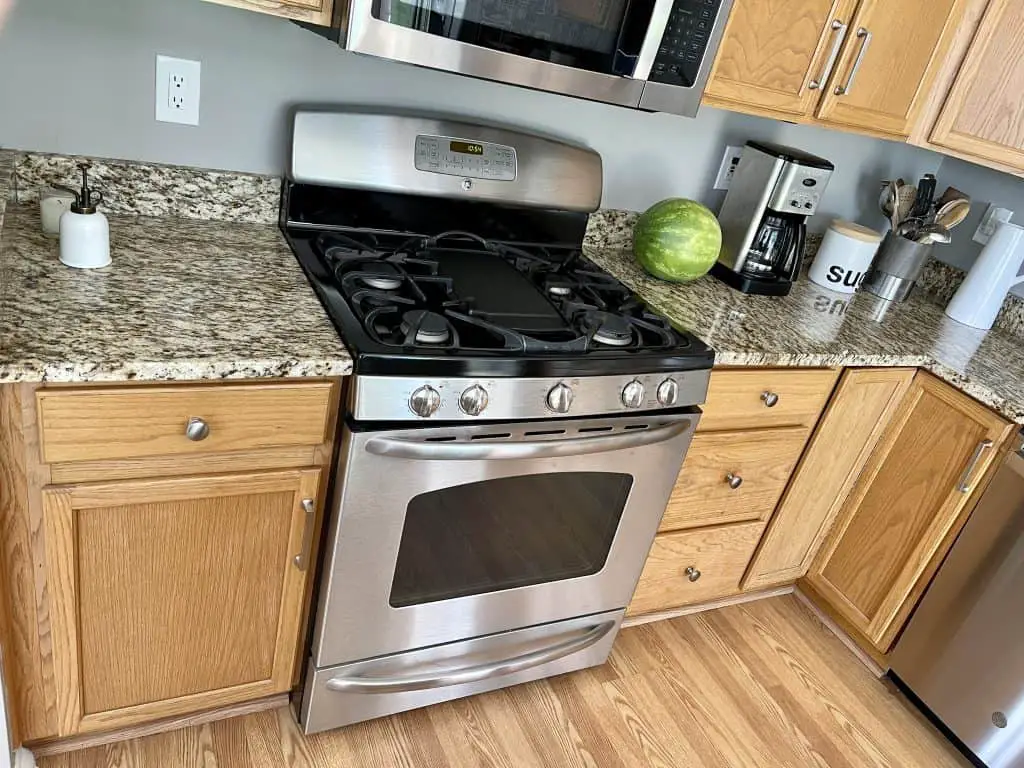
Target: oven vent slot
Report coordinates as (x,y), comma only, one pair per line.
(637,426)
(583,430)
(540,432)
(491,436)
(442,439)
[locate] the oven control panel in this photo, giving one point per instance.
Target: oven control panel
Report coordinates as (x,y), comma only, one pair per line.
(465,157)
(685,42)
(389,398)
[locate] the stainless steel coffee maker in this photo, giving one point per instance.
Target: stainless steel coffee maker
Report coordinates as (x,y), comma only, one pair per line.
(764,217)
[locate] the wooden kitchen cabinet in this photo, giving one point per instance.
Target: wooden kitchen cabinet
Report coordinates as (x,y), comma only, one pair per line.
(311,11)
(775,55)
(905,509)
(175,595)
(983,116)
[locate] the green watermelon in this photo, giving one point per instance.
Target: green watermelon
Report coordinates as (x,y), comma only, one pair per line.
(677,240)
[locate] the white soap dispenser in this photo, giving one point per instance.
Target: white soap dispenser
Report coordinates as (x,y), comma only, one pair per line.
(84,231)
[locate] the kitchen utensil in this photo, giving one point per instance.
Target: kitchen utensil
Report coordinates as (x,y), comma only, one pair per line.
(844,257)
(925,195)
(952,213)
(885,199)
(951,194)
(892,190)
(906,199)
(981,295)
(933,233)
(897,266)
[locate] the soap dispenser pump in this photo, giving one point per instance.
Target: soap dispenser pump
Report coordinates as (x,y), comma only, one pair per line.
(84,231)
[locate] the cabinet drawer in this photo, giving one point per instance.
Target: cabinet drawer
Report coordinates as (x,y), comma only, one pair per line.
(766,397)
(102,423)
(718,555)
(733,476)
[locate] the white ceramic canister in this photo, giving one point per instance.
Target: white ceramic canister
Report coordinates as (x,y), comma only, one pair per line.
(84,231)
(844,257)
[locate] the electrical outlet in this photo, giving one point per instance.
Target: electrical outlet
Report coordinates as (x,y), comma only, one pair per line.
(993,218)
(177,90)
(730,160)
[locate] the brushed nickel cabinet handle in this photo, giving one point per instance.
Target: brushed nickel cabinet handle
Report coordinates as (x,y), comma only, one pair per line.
(196,429)
(865,36)
(770,399)
(301,560)
(692,573)
(964,486)
(837,43)
(735,481)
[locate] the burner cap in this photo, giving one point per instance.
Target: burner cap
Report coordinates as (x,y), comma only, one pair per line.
(611,330)
(381,275)
(559,289)
(430,327)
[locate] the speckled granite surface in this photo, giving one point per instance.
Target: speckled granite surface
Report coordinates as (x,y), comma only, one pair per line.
(6,180)
(816,327)
(156,190)
(182,300)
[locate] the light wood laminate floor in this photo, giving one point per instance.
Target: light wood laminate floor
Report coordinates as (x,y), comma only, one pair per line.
(750,686)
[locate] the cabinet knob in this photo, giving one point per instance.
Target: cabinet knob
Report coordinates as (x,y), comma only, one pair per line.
(770,399)
(196,429)
(735,481)
(692,573)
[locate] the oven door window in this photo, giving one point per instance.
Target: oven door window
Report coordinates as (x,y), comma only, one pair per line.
(506,533)
(597,35)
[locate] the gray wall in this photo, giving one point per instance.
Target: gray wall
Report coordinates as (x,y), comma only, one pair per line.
(985,186)
(77,77)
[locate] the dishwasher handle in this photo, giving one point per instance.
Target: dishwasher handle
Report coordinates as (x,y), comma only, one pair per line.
(964,486)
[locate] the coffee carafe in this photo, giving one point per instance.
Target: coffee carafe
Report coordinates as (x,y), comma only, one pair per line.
(764,217)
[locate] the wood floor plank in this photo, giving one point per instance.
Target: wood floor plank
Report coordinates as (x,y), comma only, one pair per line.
(757,685)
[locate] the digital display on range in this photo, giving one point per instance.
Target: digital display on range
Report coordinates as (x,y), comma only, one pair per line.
(465,148)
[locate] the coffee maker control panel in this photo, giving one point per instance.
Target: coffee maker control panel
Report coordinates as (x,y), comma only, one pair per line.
(799,189)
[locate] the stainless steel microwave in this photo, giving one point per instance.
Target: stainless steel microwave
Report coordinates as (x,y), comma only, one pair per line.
(650,54)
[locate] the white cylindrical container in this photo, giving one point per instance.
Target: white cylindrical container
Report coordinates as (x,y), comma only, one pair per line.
(981,295)
(84,240)
(844,257)
(52,205)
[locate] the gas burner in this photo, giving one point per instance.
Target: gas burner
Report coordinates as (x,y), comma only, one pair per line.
(425,327)
(609,329)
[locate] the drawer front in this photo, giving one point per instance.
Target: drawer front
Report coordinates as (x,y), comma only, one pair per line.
(102,423)
(718,556)
(729,477)
(768,397)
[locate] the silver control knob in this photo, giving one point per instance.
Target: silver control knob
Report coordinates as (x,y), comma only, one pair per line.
(668,392)
(633,394)
(473,400)
(560,398)
(425,401)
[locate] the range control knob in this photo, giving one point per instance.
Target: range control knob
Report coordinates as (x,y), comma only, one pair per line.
(668,392)
(560,398)
(425,401)
(473,400)
(633,394)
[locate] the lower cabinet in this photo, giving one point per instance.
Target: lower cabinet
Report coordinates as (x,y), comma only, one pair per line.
(174,595)
(906,508)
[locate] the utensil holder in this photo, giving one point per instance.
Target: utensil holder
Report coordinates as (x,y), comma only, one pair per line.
(897,266)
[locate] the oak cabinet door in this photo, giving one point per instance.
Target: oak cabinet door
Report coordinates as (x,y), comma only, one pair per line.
(312,11)
(984,113)
(906,508)
(889,62)
(863,405)
(776,54)
(177,595)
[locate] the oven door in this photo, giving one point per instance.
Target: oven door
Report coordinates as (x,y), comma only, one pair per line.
(595,49)
(449,533)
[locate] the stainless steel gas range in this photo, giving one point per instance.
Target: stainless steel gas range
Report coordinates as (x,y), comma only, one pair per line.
(516,420)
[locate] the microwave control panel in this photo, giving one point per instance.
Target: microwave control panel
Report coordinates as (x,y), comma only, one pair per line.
(685,42)
(465,157)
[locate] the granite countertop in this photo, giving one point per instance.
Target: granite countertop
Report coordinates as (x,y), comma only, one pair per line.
(183,299)
(817,327)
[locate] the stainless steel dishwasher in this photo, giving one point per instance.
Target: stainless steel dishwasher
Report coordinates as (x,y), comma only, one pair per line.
(962,654)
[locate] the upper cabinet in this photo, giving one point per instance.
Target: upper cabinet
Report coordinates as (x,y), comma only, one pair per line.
(983,116)
(866,66)
(311,11)
(777,54)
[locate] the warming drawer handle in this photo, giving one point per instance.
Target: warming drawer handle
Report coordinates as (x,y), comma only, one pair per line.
(964,486)
(401,448)
(473,674)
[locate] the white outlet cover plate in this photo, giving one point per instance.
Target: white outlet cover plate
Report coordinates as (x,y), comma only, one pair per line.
(993,217)
(177,103)
(730,160)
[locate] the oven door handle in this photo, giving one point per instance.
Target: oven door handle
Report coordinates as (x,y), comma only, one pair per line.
(402,448)
(364,684)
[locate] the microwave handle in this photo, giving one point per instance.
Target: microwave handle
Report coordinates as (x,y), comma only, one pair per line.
(402,448)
